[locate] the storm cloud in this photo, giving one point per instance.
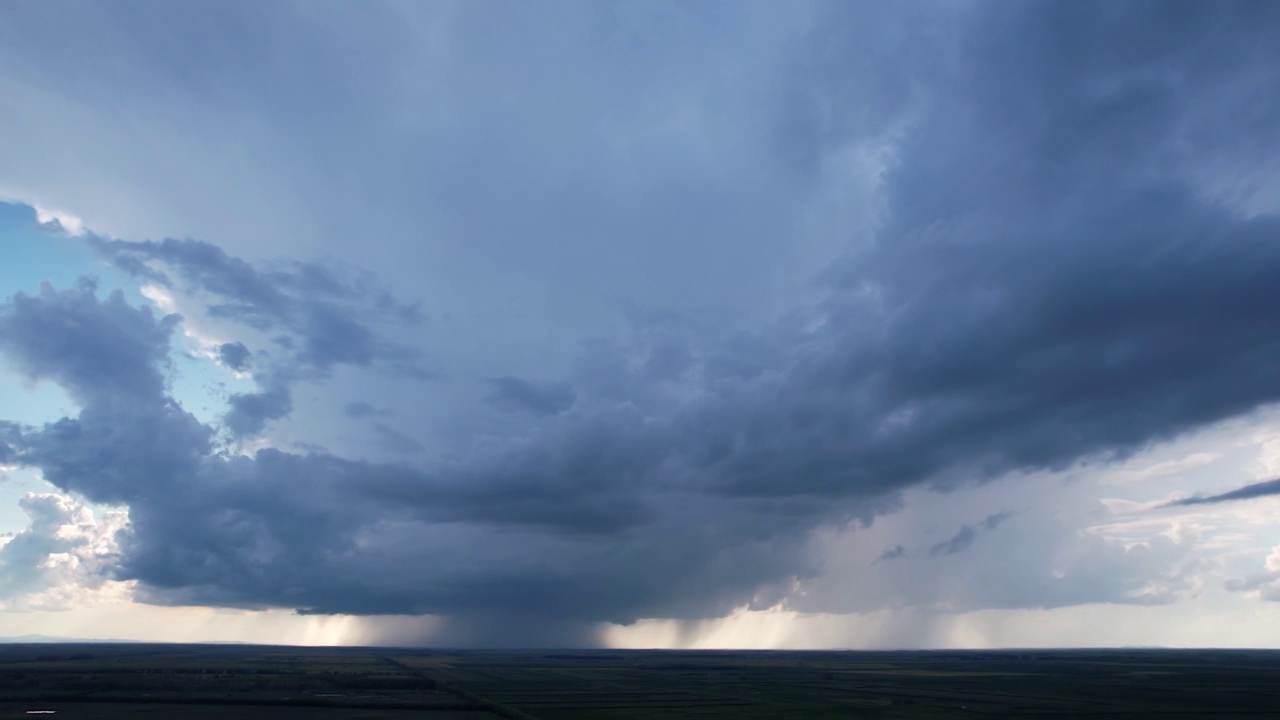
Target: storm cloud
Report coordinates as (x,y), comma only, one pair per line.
(331,311)
(250,412)
(1052,280)
(318,317)
(234,355)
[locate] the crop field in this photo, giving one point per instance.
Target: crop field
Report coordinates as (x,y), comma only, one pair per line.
(217,681)
(1105,683)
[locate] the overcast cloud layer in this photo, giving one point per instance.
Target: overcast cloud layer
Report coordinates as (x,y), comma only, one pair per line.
(1054,243)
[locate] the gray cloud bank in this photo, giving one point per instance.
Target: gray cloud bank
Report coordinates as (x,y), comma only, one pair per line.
(1050,282)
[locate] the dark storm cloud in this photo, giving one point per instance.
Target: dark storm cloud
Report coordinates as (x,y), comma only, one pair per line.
(108,355)
(250,412)
(566,509)
(332,312)
(243,531)
(332,316)
(234,355)
(1248,492)
(88,347)
(512,393)
(207,267)
(1049,284)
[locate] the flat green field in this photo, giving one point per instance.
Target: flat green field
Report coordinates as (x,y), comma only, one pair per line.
(217,681)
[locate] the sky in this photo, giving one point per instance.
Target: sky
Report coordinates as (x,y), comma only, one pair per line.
(641,324)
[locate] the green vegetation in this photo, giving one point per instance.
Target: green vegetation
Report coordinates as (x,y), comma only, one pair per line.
(220,681)
(1068,684)
(145,681)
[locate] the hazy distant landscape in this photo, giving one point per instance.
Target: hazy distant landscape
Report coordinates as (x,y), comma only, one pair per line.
(212,681)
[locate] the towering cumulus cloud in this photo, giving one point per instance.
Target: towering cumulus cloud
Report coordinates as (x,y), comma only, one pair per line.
(1060,272)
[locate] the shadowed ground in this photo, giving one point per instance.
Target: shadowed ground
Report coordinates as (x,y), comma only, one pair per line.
(213,681)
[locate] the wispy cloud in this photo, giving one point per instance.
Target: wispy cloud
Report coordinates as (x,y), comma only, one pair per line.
(1266,488)
(957,543)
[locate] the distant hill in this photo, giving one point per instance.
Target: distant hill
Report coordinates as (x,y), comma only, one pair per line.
(57,640)
(50,639)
